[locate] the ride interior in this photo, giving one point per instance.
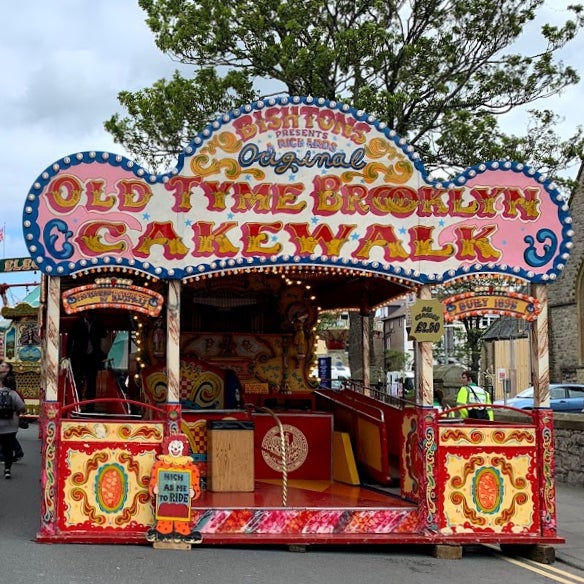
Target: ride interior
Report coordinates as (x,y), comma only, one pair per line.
(218,344)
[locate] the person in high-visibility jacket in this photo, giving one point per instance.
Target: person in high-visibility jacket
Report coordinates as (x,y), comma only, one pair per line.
(471,393)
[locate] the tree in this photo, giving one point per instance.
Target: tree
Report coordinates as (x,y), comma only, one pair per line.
(333,329)
(395,360)
(441,73)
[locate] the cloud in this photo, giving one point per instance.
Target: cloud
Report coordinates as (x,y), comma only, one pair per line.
(64,63)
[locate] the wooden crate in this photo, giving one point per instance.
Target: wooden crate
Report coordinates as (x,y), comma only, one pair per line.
(230,457)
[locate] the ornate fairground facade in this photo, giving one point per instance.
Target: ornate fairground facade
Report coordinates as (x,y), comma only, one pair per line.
(208,282)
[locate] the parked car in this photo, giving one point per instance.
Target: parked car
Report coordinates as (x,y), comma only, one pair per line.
(564,397)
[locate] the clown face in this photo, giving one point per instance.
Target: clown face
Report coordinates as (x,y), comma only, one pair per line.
(175,448)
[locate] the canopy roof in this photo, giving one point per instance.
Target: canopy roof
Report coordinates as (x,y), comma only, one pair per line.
(353,291)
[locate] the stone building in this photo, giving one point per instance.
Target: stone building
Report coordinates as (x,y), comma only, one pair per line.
(566,303)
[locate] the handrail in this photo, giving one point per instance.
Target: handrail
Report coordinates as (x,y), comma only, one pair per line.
(76,404)
(282,447)
(353,386)
(381,396)
(445,413)
(340,400)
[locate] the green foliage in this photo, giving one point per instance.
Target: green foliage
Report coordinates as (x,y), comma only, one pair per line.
(395,360)
(328,321)
(458,349)
(164,118)
(439,72)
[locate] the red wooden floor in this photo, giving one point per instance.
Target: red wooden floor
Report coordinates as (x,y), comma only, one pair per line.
(304,494)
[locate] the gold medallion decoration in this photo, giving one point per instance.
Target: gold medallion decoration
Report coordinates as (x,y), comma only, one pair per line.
(296,448)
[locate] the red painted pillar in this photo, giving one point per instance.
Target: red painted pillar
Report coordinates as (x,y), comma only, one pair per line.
(173,419)
(50,502)
(427,473)
(546,463)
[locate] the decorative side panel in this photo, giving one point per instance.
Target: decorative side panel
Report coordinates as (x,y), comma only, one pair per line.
(490,480)
(104,470)
(547,464)
(50,448)
(288,522)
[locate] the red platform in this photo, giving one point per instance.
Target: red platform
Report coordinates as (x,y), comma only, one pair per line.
(312,512)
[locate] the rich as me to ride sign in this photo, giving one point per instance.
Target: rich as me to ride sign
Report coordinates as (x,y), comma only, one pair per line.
(296,181)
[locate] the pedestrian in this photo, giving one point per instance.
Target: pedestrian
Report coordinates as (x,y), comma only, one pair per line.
(7,373)
(11,406)
(471,393)
(439,400)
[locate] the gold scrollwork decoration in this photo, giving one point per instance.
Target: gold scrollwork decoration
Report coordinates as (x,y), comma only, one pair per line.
(507,470)
(521,436)
(457,436)
(205,163)
(80,431)
(398,173)
(458,482)
(81,477)
(510,511)
(130,511)
(127,432)
(460,500)
(226,141)
(88,510)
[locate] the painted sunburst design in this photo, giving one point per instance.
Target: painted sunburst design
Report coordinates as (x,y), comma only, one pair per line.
(488,490)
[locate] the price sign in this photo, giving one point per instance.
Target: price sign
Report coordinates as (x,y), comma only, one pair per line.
(427,320)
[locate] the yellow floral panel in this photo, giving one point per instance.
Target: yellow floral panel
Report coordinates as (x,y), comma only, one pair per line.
(489,491)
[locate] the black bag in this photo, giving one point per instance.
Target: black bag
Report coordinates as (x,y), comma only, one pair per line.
(6,405)
(23,423)
(478,414)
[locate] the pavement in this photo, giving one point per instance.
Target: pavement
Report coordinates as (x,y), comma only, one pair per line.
(570,502)
(20,503)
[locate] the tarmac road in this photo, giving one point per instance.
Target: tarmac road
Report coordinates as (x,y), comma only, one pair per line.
(23,561)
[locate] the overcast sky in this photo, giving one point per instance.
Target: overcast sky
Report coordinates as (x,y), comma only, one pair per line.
(64,62)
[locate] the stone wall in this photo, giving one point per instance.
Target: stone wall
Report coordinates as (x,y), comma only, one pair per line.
(569,441)
(565,347)
(565,341)
(569,445)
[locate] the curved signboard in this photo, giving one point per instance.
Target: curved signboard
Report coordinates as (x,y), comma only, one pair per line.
(296,181)
(480,303)
(112,293)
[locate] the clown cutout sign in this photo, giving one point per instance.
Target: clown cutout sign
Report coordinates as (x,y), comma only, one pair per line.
(174,483)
